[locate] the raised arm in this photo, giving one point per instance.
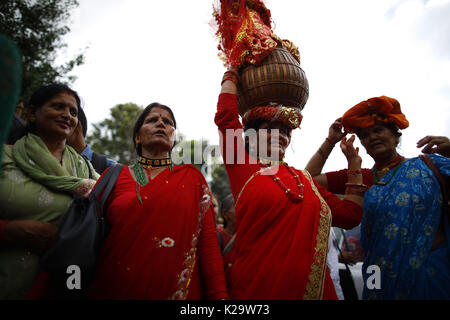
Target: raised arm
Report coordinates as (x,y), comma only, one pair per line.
(235,158)
(316,163)
(433,144)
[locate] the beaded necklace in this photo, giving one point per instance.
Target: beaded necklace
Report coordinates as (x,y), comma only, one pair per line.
(394,164)
(154,163)
(293,196)
(141,179)
(142,176)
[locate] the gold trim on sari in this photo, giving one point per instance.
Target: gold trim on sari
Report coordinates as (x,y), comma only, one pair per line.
(316,279)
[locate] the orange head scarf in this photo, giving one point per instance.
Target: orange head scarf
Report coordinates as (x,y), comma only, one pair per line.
(379,109)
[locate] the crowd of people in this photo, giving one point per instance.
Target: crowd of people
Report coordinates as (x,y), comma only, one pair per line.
(271,238)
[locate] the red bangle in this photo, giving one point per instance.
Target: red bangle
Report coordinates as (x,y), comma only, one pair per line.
(356,185)
(356,192)
(231,76)
(355,171)
(233,73)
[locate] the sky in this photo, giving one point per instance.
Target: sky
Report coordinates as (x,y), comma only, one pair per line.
(145,51)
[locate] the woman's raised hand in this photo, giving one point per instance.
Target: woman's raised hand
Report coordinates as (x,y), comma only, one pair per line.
(335,133)
(348,149)
(434,144)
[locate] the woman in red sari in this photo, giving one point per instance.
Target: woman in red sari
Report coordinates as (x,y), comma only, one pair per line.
(283,216)
(163,242)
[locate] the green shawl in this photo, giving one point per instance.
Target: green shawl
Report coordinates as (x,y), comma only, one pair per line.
(33,157)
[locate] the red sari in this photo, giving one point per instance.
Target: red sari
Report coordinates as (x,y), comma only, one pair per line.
(165,248)
(281,246)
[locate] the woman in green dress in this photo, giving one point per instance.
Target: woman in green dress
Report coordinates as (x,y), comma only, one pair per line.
(40,174)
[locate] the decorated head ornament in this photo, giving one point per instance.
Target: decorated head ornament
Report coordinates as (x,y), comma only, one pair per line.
(289,116)
(245,33)
(366,113)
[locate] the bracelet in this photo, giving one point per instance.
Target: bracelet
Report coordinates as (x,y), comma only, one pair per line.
(233,72)
(356,192)
(329,141)
(231,76)
(320,152)
(355,171)
(356,185)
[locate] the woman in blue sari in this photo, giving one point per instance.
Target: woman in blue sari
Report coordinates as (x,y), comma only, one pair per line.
(404,232)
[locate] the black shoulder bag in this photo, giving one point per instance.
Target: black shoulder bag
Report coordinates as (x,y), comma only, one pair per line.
(99,162)
(78,241)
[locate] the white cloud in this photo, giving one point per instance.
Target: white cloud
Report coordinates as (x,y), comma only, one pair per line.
(145,51)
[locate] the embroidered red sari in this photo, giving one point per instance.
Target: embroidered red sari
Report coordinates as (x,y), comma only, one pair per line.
(281,246)
(165,248)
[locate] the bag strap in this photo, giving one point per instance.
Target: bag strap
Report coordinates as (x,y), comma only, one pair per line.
(99,161)
(101,184)
(444,188)
(107,182)
(111,183)
(89,167)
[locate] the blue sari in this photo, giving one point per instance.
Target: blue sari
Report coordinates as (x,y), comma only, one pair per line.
(398,227)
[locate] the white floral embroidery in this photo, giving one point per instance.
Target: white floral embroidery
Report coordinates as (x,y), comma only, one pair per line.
(32,162)
(167,242)
(178,295)
(45,198)
(185,274)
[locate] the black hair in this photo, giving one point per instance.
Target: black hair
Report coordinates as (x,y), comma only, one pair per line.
(141,118)
(391,126)
(255,125)
(83,121)
(227,203)
(44,94)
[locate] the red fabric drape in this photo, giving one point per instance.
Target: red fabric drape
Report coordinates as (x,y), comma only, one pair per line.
(281,246)
(164,248)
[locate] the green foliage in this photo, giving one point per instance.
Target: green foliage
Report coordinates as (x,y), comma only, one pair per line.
(218,179)
(220,185)
(186,149)
(114,136)
(38,28)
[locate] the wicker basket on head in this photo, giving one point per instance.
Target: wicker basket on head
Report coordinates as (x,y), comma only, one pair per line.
(278,78)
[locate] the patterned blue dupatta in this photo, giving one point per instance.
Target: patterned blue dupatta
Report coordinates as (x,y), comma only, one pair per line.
(397,231)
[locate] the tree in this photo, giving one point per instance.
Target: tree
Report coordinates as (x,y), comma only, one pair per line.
(38,27)
(204,157)
(220,185)
(114,136)
(190,152)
